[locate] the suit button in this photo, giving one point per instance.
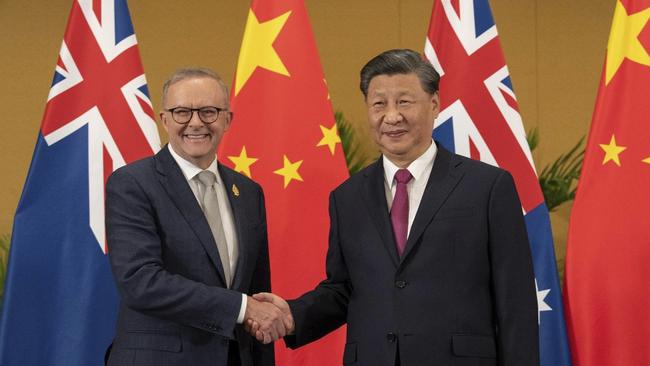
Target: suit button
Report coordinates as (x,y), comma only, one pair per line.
(391,337)
(400,284)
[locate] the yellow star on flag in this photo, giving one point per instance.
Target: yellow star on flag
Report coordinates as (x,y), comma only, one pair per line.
(646,160)
(289,171)
(243,162)
(623,40)
(330,137)
(612,151)
(257,48)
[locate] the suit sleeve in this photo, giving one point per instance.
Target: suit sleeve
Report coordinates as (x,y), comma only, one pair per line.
(323,309)
(145,285)
(513,279)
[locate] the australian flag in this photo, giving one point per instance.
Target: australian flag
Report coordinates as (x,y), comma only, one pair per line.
(480,119)
(60,299)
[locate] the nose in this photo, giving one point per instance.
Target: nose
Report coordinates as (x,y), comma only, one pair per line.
(195,121)
(392,115)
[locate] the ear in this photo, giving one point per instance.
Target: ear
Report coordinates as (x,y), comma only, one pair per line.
(435,102)
(226,125)
(163,120)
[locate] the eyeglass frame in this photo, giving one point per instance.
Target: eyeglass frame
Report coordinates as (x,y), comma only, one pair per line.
(198,113)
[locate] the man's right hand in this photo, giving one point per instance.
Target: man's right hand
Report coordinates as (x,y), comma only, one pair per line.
(257,329)
(267,320)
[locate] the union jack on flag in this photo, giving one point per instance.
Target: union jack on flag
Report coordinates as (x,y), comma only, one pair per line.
(60,299)
(479,118)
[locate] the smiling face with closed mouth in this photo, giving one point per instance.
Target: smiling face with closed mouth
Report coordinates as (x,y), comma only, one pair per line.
(401,116)
(196,141)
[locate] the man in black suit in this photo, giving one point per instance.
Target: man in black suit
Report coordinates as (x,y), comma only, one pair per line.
(188,241)
(428,260)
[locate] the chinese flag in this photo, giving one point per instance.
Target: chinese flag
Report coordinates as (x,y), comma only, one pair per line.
(607,286)
(284,136)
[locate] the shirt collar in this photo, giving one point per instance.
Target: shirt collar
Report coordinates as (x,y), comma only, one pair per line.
(416,168)
(190,170)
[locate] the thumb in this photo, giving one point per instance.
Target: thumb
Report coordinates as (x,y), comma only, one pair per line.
(265,297)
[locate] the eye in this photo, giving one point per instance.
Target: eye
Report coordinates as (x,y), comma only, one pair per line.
(182,112)
(405,102)
(208,112)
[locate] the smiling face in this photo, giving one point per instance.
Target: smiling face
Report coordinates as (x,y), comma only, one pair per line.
(196,141)
(401,116)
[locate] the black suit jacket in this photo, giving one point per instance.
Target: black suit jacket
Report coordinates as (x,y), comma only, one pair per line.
(176,308)
(463,293)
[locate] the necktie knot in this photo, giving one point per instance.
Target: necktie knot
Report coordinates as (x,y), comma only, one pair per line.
(207,178)
(403,176)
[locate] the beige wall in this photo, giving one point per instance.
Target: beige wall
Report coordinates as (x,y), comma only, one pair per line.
(554,49)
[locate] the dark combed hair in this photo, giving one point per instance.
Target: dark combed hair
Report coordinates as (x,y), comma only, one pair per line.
(400,61)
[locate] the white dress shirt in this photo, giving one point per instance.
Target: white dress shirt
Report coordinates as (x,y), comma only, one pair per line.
(190,171)
(420,169)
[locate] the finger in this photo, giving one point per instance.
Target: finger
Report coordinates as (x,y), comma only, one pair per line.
(251,326)
(287,320)
(267,338)
(279,327)
(255,326)
(259,335)
(273,333)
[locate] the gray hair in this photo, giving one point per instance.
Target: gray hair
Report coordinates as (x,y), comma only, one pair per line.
(194,73)
(400,61)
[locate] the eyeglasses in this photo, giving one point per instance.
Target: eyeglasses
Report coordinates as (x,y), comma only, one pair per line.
(208,115)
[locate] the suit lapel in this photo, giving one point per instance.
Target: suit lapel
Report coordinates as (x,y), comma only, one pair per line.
(444,177)
(374,195)
(239,216)
(173,181)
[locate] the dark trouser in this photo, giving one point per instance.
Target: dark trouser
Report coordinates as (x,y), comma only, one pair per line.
(233,354)
(397,363)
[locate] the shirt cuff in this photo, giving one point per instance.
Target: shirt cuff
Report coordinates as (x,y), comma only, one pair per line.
(242,309)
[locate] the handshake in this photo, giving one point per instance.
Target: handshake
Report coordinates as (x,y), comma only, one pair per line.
(268,317)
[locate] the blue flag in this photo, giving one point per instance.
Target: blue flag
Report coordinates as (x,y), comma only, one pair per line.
(60,300)
(480,119)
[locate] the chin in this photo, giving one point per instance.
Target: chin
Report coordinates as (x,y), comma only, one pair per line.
(397,150)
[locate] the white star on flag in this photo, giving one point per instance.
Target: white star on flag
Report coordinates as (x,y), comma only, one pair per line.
(541,305)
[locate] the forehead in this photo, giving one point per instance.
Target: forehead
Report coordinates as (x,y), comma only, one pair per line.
(394,84)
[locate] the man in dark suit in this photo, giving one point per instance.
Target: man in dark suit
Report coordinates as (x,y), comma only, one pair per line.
(428,260)
(188,241)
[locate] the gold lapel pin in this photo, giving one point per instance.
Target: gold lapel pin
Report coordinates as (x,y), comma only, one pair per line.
(235,190)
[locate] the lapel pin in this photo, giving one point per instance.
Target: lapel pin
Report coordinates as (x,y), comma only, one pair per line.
(235,190)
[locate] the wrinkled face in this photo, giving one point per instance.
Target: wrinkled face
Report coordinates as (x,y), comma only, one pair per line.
(196,141)
(401,116)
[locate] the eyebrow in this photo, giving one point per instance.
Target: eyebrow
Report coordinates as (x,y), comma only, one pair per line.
(382,93)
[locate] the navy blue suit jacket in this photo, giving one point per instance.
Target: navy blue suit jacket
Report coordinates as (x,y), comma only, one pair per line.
(176,308)
(463,293)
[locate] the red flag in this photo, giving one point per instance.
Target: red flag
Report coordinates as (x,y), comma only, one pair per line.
(607,286)
(284,136)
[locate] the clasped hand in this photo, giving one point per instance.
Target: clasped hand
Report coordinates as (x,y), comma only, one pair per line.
(268,317)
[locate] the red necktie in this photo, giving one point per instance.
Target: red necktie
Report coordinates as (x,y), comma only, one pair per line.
(399,212)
